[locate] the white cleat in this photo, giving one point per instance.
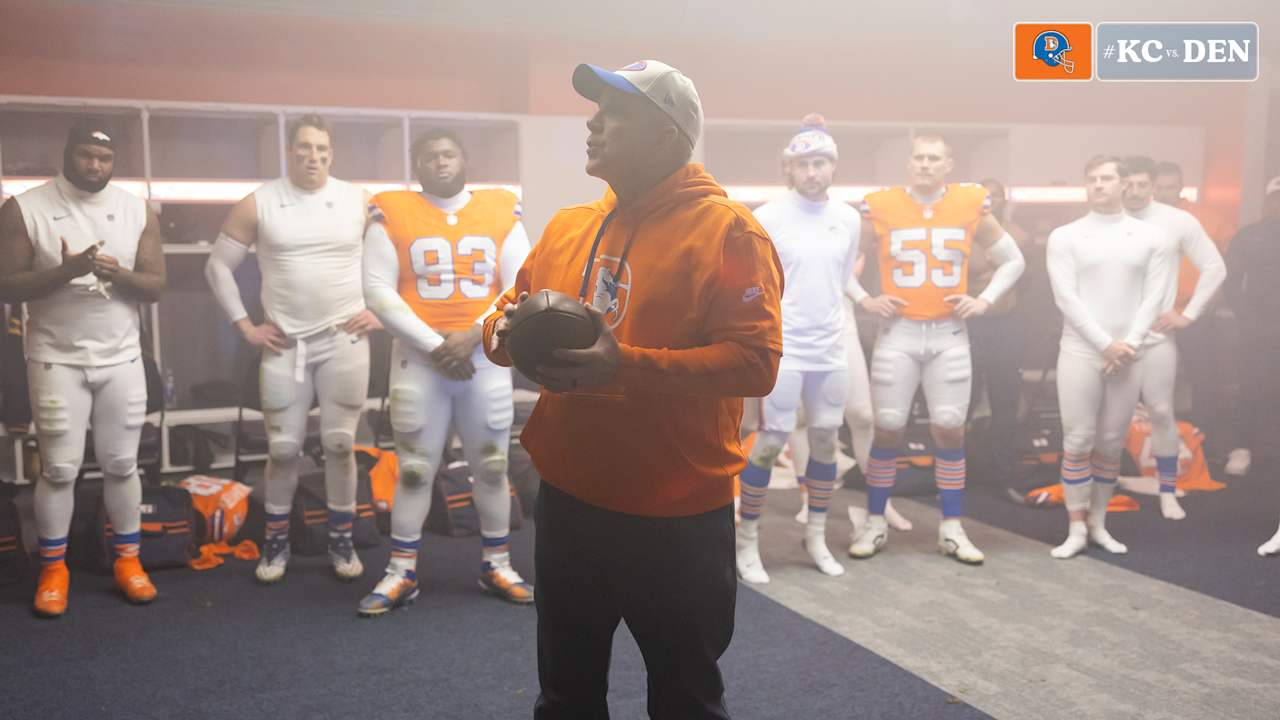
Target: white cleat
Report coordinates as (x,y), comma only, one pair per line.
(1170,508)
(750,567)
(1238,462)
(274,561)
(816,546)
(871,539)
(953,542)
(1099,536)
(346,563)
(1270,547)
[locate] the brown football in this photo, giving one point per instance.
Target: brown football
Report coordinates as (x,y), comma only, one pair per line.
(545,322)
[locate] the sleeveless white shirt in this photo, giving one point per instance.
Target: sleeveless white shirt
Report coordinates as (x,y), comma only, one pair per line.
(309,249)
(83,322)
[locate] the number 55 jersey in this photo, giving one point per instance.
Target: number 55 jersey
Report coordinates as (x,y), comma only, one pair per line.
(923,250)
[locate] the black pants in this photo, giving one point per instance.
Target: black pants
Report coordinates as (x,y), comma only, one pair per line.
(996,345)
(671,579)
(1200,365)
(1253,421)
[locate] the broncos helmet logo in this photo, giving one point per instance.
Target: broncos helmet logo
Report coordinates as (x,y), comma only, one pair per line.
(1051,48)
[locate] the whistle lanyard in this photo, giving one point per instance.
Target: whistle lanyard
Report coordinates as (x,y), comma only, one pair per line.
(595,246)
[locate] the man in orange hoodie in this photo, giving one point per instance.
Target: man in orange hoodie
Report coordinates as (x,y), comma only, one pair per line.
(636,438)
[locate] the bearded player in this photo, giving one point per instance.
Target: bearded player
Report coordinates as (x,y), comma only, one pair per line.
(924,233)
(434,263)
(817,242)
(83,255)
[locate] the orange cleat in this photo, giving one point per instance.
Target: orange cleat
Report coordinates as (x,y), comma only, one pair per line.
(51,593)
(133,581)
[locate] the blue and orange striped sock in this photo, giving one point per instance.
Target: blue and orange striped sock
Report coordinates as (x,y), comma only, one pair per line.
(53,551)
(1076,472)
(277,526)
(340,523)
(1167,471)
(948,475)
(404,554)
(882,473)
(754,484)
(497,550)
(127,545)
(1105,471)
(820,481)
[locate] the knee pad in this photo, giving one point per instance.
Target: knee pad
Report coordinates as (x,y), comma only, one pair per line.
(283,450)
(415,469)
(338,442)
(948,417)
(891,419)
(61,473)
(1078,443)
(120,466)
(767,448)
(493,462)
(822,445)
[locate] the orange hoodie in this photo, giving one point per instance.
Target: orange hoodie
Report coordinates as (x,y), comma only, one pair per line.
(698,323)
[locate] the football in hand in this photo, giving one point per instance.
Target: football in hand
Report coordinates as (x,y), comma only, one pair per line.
(545,322)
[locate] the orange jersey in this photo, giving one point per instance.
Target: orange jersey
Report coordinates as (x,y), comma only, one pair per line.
(924,251)
(448,270)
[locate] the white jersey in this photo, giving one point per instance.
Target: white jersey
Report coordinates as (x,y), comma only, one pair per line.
(309,248)
(1183,235)
(1109,275)
(83,322)
(818,245)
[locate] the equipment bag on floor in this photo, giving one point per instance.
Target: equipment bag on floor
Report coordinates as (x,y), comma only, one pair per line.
(379,469)
(168,530)
(222,507)
(309,521)
(15,563)
(453,511)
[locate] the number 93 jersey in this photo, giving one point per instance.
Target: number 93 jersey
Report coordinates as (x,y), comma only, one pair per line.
(448,262)
(924,250)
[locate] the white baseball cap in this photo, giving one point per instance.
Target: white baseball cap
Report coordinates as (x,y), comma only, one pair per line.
(1273,186)
(664,85)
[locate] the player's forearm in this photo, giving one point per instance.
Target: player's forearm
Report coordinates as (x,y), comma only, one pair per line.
(1152,301)
(382,296)
(725,369)
(1009,267)
(33,284)
(400,320)
(1063,282)
(1213,273)
(853,288)
(219,272)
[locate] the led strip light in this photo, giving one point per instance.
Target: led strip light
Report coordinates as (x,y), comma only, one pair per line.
(217,192)
(230,191)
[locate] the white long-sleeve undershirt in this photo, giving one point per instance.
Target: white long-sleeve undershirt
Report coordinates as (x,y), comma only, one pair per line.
(1185,236)
(1108,274)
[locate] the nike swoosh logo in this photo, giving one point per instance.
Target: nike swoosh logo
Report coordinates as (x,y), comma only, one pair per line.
(61,217)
